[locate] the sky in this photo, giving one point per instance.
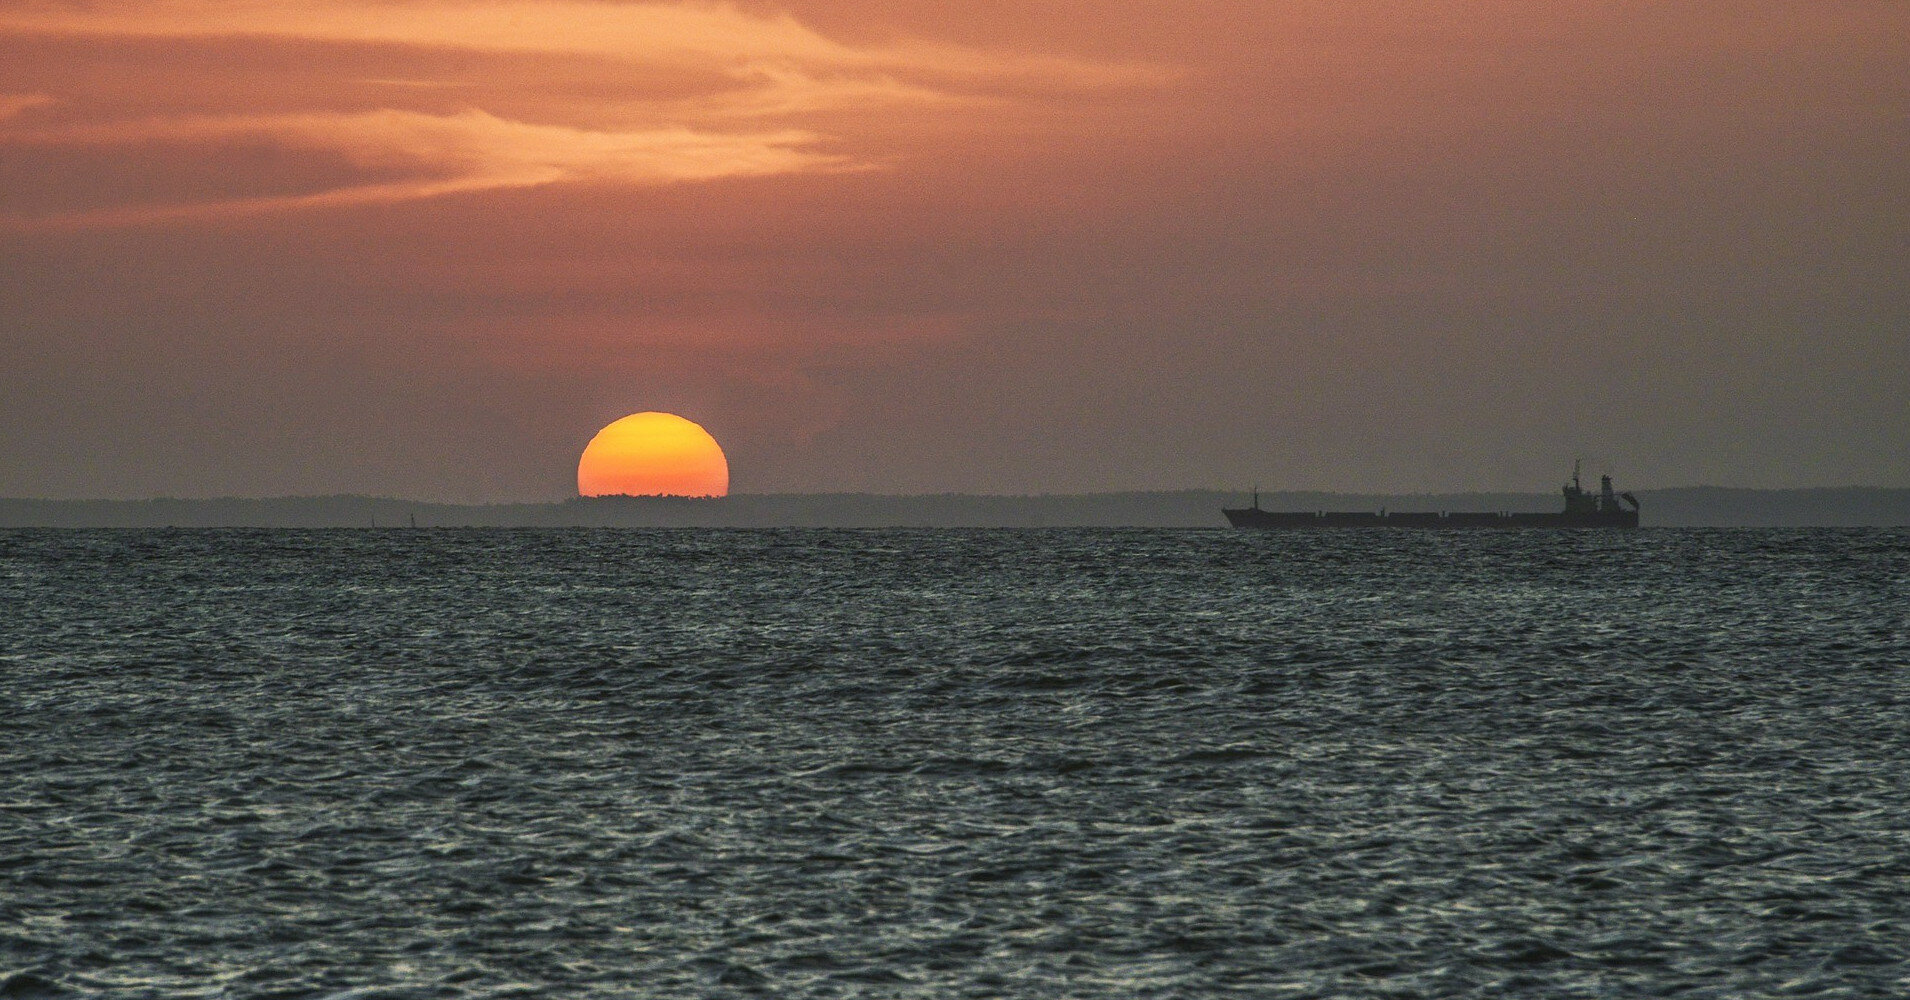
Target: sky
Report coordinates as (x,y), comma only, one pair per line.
(427,248)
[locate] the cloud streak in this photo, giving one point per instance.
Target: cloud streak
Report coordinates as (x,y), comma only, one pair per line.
(687,33)
(758,77)
(450,154)
(14,105)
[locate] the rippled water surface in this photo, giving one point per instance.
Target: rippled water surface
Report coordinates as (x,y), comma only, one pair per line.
(954,764)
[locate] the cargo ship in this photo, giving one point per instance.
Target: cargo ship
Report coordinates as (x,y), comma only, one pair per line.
(1583,509)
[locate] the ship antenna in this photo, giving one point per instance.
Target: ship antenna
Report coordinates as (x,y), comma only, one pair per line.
(1575,464)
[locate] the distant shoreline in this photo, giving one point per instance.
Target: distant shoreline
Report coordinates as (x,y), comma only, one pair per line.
(1692,506)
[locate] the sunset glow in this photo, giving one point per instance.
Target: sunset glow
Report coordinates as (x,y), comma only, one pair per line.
(621,94)
(417,247)
(653,454)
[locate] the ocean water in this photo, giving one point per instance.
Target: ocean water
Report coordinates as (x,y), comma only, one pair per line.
(576,763)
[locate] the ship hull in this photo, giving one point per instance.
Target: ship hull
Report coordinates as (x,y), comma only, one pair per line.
(1254,517)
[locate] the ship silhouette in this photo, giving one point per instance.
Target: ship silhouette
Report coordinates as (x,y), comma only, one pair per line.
(1583,509)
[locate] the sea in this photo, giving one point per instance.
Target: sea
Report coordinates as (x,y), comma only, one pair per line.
(448,763)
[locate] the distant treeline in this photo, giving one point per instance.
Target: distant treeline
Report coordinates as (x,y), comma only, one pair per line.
(1697,506)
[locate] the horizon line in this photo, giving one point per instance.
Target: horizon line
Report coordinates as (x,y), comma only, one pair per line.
(942,494)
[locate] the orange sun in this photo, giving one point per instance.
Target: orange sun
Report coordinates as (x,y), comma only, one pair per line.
(653,454)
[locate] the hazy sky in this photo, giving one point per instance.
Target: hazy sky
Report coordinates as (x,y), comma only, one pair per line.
(426,248)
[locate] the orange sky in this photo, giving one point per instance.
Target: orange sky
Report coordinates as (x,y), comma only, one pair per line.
(428,248)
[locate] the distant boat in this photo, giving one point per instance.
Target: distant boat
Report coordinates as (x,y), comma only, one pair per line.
(1582,510)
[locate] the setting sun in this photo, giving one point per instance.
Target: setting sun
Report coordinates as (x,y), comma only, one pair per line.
(653,454)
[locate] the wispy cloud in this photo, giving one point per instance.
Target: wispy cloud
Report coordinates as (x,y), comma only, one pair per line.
(762,75)
(693,33)
(13,105)
(448,154)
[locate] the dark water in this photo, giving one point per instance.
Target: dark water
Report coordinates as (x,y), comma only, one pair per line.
(954,764)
